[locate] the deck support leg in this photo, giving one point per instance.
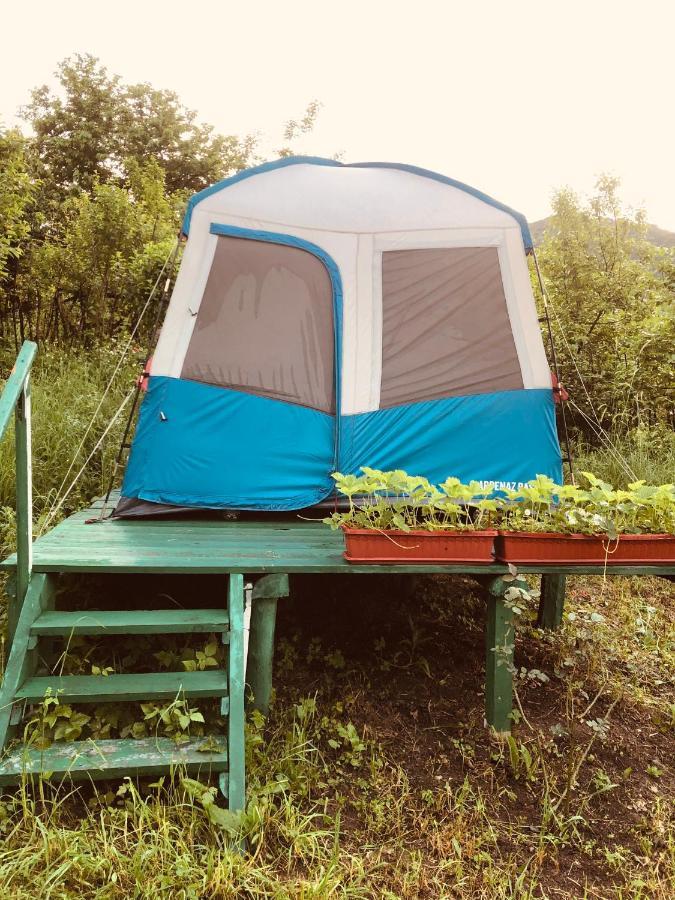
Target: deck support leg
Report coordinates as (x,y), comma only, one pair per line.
(499,645)
(260,653)
(236,786)
(13,607)
(551,602)
(266,592)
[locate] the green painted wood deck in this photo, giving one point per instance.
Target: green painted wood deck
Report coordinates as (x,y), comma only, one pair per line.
(246,546)
(124,688)
(21,686)
(272,547)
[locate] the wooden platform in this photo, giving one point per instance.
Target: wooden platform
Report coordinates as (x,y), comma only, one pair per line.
(247,546)
(271,548)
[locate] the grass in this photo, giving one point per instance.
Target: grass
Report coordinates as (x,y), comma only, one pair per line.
(373,775)
(66,391)
(646,453)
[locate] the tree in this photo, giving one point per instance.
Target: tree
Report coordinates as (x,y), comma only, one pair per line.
(16,194)
(96,128)
(154,125)
(613,303)
(76,133)
(92,283)
(17,191)
(294,128)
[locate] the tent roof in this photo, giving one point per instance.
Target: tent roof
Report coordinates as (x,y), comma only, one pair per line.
(319,161)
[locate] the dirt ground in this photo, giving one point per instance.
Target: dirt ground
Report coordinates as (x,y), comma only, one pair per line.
(410,675)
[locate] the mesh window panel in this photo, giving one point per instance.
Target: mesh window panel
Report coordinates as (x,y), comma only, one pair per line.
(265,324)
(445,325)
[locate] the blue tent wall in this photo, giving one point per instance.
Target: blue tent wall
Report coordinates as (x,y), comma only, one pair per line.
(205,446)
(507,437)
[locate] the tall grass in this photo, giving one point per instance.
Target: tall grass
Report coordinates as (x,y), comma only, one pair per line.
(647,453)
(66,391)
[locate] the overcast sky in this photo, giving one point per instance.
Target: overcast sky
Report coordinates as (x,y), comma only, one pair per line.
(514,97)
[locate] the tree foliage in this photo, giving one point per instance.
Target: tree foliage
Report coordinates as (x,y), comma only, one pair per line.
(612,304)
(82,274)
(95,129)
(16,193)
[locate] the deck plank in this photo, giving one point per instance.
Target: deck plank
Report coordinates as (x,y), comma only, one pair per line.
(125,688)
(116,758)
(126,621)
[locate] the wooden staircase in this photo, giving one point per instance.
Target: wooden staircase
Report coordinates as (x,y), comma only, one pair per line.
(39,621)
(33,619)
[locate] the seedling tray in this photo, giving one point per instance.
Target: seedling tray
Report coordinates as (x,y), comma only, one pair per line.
(546,547)
(366,545)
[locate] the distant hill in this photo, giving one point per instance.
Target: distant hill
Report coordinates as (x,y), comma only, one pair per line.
(656,235)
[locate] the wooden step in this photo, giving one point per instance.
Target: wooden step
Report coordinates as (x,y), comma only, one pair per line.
(124,688)
(140,621)
(116,759)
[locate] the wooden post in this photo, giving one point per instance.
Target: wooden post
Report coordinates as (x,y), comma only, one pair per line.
(499,645)
(551,602)
(236,793)
(24,499)
(266,592)
(15,400)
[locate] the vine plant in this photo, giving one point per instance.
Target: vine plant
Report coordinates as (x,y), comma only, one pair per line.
(56,720)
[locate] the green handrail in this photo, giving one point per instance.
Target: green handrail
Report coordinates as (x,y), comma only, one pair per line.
(15,398)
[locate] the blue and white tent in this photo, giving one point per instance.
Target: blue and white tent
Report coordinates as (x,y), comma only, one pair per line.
(329,316)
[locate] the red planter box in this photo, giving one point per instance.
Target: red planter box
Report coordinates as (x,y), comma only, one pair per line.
(364,545)
(544,547)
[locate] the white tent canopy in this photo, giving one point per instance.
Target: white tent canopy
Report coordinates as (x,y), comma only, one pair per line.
(356,215)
